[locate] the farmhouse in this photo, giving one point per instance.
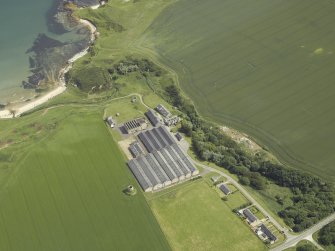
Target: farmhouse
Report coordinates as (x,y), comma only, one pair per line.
(251,218)
(152,117)
(267,233)
(135,125)
(163,111)
(164,164)
(110,121)
(225,189)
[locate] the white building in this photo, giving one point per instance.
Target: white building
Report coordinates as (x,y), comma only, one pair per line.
(110,122)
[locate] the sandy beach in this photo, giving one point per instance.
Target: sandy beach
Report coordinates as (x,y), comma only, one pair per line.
(16,111)
(94,7)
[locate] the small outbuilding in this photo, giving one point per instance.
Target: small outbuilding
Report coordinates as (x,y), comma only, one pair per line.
(225,189)
(130,190)
(215,178)
(178,136)
(110,121)
(163,111)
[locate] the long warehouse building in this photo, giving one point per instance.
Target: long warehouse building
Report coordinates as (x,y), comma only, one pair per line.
(165,163)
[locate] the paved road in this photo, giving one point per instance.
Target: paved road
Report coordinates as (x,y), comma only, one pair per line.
(306,234)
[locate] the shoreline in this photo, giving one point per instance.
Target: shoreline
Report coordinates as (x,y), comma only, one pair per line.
(17,111)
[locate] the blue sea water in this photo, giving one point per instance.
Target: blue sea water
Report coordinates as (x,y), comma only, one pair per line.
(20,23)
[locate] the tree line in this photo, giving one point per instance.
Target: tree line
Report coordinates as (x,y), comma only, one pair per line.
(312,200)
(327,235)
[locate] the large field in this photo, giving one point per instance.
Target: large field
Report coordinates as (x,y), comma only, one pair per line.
(264,67)
(193,217)
(66,194)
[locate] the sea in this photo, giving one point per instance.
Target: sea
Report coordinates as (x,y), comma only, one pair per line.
(21,23)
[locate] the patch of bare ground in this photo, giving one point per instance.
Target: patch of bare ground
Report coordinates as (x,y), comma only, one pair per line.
(4,146)
(248,144)
(124,145)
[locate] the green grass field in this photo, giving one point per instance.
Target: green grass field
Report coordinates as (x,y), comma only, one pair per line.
(235,200)
(193,217)
(126,109)
(65,192)
(263,67)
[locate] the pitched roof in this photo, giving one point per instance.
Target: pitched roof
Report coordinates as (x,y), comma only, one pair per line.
(268,233)
(135,149)
(165,161)
(250,216)
(152,117)
(162,110)
(225,189)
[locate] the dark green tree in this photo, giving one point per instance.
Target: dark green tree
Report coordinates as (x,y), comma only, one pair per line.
(327,235)
(244,180)
(186,127)
(307,247)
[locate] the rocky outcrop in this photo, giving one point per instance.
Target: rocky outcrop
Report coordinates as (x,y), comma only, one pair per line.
(47,55)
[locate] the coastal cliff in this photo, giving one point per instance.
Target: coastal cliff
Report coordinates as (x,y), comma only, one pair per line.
(50,60)
(48,56)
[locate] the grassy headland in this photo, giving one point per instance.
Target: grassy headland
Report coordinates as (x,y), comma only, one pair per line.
(70,126)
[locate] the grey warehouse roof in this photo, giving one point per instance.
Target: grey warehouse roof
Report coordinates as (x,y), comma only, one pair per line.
(142,179)
(156,139)
(164,164)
